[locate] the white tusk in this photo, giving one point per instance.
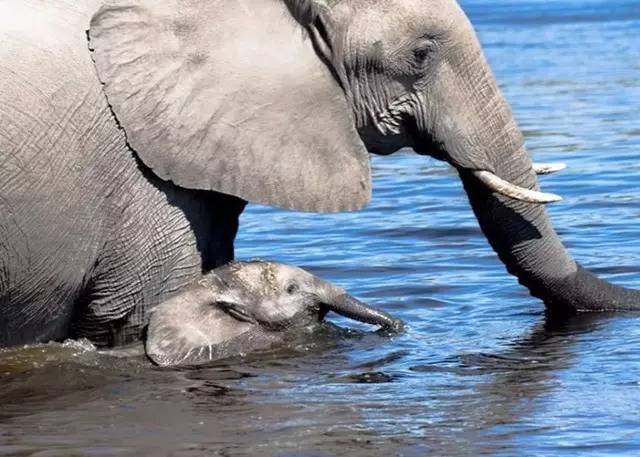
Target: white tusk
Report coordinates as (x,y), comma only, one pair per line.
(507,189)
(548,168)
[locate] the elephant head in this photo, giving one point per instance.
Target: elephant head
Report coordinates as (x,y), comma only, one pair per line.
(278,102)
(245,306)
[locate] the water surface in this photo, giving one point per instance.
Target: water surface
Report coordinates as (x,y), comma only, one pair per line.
(480,370)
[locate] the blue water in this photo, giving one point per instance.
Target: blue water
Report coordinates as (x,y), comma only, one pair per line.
(480,370)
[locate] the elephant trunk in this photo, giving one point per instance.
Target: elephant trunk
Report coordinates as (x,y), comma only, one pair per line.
(524,239)
(347,306)
(474,129)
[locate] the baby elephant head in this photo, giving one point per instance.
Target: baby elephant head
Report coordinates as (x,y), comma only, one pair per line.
(246,306)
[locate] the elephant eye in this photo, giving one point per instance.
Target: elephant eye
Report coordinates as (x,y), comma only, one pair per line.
(423,50)
(292,288)
(420,54)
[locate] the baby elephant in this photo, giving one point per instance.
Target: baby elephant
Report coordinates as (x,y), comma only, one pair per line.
(245,306)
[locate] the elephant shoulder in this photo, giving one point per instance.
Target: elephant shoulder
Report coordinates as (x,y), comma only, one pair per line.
(46,36)
(51,102)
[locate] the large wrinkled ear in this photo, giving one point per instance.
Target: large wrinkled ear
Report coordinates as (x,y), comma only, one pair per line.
(191,328)
(230,96)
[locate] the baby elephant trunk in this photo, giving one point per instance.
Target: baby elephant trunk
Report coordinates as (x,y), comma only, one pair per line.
(348,306)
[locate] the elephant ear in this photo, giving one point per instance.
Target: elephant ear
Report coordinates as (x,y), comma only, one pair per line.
(192,327)
(231,97)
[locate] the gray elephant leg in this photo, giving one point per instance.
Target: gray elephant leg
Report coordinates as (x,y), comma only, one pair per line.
(60,156)
(30,311)
(94,267)
(163,240)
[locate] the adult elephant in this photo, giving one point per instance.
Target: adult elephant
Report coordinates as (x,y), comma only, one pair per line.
(125,161)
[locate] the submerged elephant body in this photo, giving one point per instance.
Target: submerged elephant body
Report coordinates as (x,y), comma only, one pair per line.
(133,132)
(245,306)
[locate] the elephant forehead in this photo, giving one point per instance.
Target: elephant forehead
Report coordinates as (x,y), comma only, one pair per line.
(269,277)
(390,21)
(258,277)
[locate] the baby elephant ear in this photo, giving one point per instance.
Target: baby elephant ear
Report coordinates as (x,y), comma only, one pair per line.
(179,328)
(193,327)
(230,96)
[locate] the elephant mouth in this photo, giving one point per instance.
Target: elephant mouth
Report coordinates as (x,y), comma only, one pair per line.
(298,320)
(379,144)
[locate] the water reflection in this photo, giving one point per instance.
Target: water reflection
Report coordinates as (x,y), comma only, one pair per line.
(528,369)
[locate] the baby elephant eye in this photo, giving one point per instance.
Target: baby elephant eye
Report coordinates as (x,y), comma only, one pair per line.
(420,54)
(292,288)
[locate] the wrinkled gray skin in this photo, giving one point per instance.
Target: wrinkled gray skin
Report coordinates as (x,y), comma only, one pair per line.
(126,161)
(245,306)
